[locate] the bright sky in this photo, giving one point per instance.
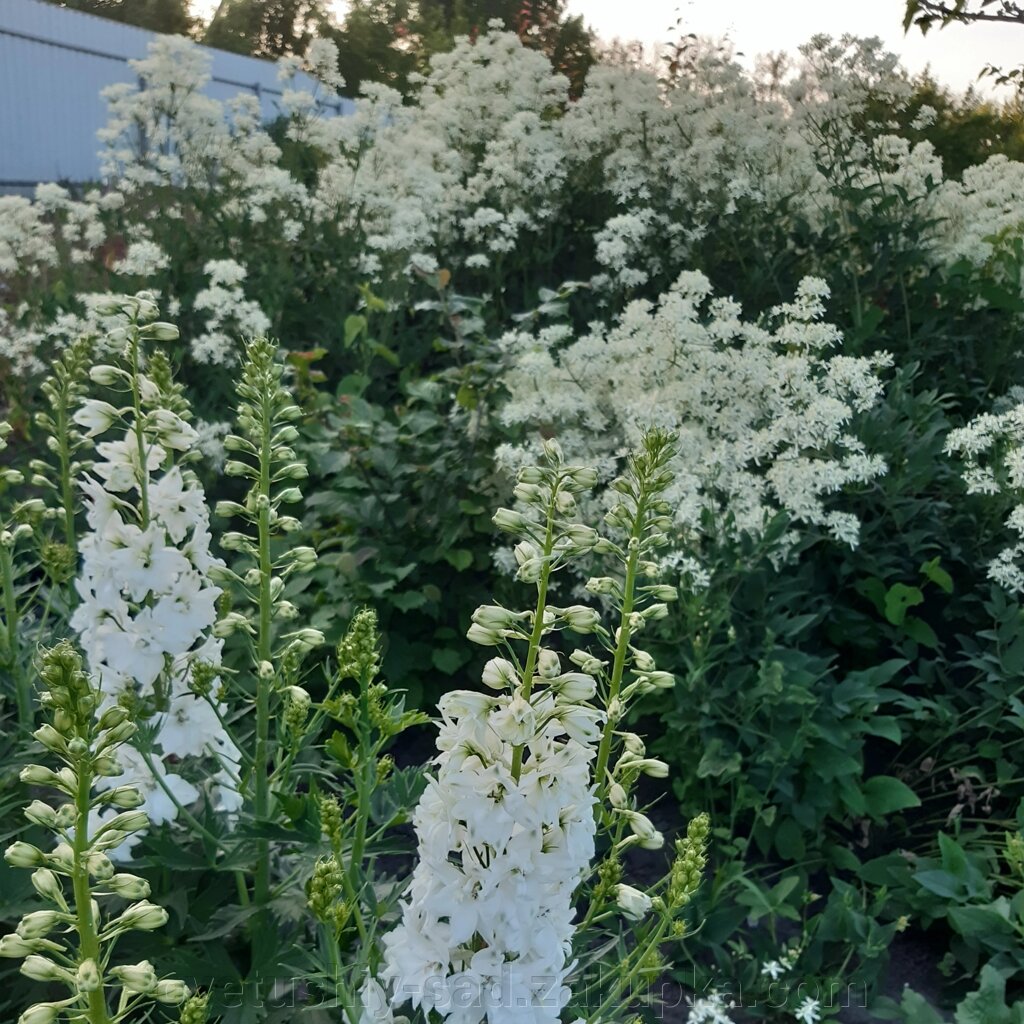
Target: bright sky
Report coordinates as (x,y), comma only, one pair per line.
(956,54)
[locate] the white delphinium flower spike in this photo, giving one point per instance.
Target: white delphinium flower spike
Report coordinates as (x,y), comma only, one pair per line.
(148,606)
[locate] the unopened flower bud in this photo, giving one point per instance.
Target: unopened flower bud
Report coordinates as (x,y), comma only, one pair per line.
(41,968)
(23,855)
(41,814)
(16,947)
(548,664)
(510,521)
(88,976)
(580,618)
(39,924)
(143,916)
(41,1013)
(170,991)
(499,674)
(126,798)
(160,331)
(106,376)
(137,978)
(633,903)
(46,883)
(478,634)
(129,887)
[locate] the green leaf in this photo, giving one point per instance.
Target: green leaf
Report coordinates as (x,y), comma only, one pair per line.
(461,558)
(919,630)
(447,659)
(354,326)
(988,1004)
(409,600)
(884,794)
(898,598)
(933,571)
(886,726)
(917,1010)
(789,841)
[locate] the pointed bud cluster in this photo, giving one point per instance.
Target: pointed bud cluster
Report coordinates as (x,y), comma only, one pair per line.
(50,942)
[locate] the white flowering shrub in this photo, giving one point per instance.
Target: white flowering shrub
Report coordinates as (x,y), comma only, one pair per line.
(764,412)
(992,449)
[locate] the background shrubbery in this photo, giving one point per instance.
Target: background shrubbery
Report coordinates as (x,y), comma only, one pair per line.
(849,715)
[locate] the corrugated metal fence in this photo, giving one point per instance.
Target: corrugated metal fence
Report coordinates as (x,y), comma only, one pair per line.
(53,64)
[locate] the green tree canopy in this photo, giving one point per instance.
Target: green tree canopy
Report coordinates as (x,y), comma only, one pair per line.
(168,16)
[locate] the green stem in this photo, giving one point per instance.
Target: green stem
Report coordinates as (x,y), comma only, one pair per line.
(22,687)
(625,971)
(367,764)
(140,434)
(67,491)
(263,656)
(88,939)
(538,625)
(622,645)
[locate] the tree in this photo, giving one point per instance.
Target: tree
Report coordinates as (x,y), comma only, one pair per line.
(170,17)
(540,24)
(925,13)
(266,28)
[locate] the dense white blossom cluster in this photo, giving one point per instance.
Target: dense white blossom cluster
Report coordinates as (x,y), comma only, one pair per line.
(487,930)
(992,448)
(230,314)
(763,411)
(487,160)
(147,607)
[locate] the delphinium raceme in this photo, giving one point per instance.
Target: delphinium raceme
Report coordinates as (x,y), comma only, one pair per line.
(528,774)
(90,905)
(15,533)
(261,454)
(38,540)
(638,532)
(346,894)
(67,447)
(147,603)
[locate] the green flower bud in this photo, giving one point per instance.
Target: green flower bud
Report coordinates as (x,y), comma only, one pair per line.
(41,1013)
(126,798)
(137,978)
(88,976)
(16,947)
(43,814)
(579,618)
(143,916)
(129,887)
(171,991)
(48,886)
(39,923)
(510,521)
(51,739)
(160,331)
(23,855)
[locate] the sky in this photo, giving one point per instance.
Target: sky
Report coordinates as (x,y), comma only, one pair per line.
(956,54)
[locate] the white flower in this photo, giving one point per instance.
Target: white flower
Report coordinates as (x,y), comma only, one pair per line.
(635,904)
(148,608)
(808,1012)
(488,920)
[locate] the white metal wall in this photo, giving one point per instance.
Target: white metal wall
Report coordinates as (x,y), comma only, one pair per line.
(53,64)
